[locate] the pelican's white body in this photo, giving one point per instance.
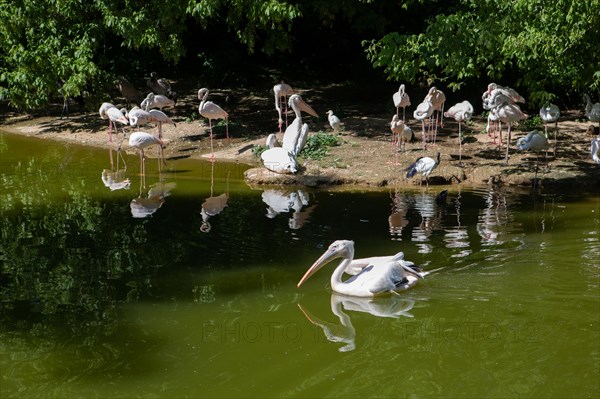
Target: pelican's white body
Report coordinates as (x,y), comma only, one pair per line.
(379,276)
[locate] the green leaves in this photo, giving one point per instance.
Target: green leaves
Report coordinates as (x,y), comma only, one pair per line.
(552,48)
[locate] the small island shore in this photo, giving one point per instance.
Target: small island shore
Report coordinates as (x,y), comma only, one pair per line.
(365,157)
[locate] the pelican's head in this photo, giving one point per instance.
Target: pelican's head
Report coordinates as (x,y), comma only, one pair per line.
(296,102)
(337,249)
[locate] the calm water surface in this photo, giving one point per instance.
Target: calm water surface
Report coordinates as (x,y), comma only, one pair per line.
(187,287)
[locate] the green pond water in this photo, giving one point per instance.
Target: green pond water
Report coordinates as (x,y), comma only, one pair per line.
(157,292)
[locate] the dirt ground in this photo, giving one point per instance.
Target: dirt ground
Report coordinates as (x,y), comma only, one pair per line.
(366,157)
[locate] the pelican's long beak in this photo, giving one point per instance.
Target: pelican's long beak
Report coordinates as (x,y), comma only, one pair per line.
(411,271)
(303,106)
(329,255)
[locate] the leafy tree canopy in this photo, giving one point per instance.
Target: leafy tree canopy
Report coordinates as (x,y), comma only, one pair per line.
(543,48)
(54,48)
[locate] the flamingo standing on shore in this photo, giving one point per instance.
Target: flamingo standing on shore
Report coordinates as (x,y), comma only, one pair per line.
(401,100)
(424,111)
(461,112)
(160,118)
(592,111)
(141,141)
(116,116)
(549,114)
(210,110)
(509,113)
(534,141)
(280,90)
(437,98)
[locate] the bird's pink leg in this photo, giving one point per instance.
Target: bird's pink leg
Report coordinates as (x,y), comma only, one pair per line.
(403,114)
(110,131)
(212,151)
(507,145)
(459,143)
(286,111)
(227,129)
(423,133)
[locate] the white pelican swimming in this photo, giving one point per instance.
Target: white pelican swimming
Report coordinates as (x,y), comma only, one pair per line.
(370,276)
(296,134)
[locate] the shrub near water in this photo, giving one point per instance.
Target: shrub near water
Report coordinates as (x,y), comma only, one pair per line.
(316,145)
(315,148)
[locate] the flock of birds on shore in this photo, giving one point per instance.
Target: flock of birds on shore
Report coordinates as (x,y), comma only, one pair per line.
(369,276)
(502,104)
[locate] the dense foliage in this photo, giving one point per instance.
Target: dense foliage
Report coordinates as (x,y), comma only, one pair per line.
(546,49)
(55,48)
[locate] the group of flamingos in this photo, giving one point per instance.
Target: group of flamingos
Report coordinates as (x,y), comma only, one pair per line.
(502,104)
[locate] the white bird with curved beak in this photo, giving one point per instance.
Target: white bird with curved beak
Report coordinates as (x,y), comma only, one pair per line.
(370,276)
(296,134)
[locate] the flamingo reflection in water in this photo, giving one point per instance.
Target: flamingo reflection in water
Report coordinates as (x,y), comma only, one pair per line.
(397,219)
(392,307)
(374,276)
(280,201)
(115,179)
(213,205)
(142,207)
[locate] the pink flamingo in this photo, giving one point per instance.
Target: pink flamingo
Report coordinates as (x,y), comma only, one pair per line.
(210,110)
(282,90)
(401,100)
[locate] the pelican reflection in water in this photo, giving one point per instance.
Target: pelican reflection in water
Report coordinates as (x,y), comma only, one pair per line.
(280,201)
(378,275)
(393,307)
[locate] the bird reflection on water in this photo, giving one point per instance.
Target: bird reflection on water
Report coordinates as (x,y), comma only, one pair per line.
(114,178)
(281,201)
(345,332)
(213,205)
(142,207)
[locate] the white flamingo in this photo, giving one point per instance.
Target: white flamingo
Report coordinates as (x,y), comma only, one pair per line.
(159,101)
(592,111)
(437,99)
(160,118)
(103,115)
(211,111)
(509,113)
(141,141)
(461,112)
(533,141)
(424,111)
(116,116)
(138,117)
(282,90)
(401,100)
(550,114)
